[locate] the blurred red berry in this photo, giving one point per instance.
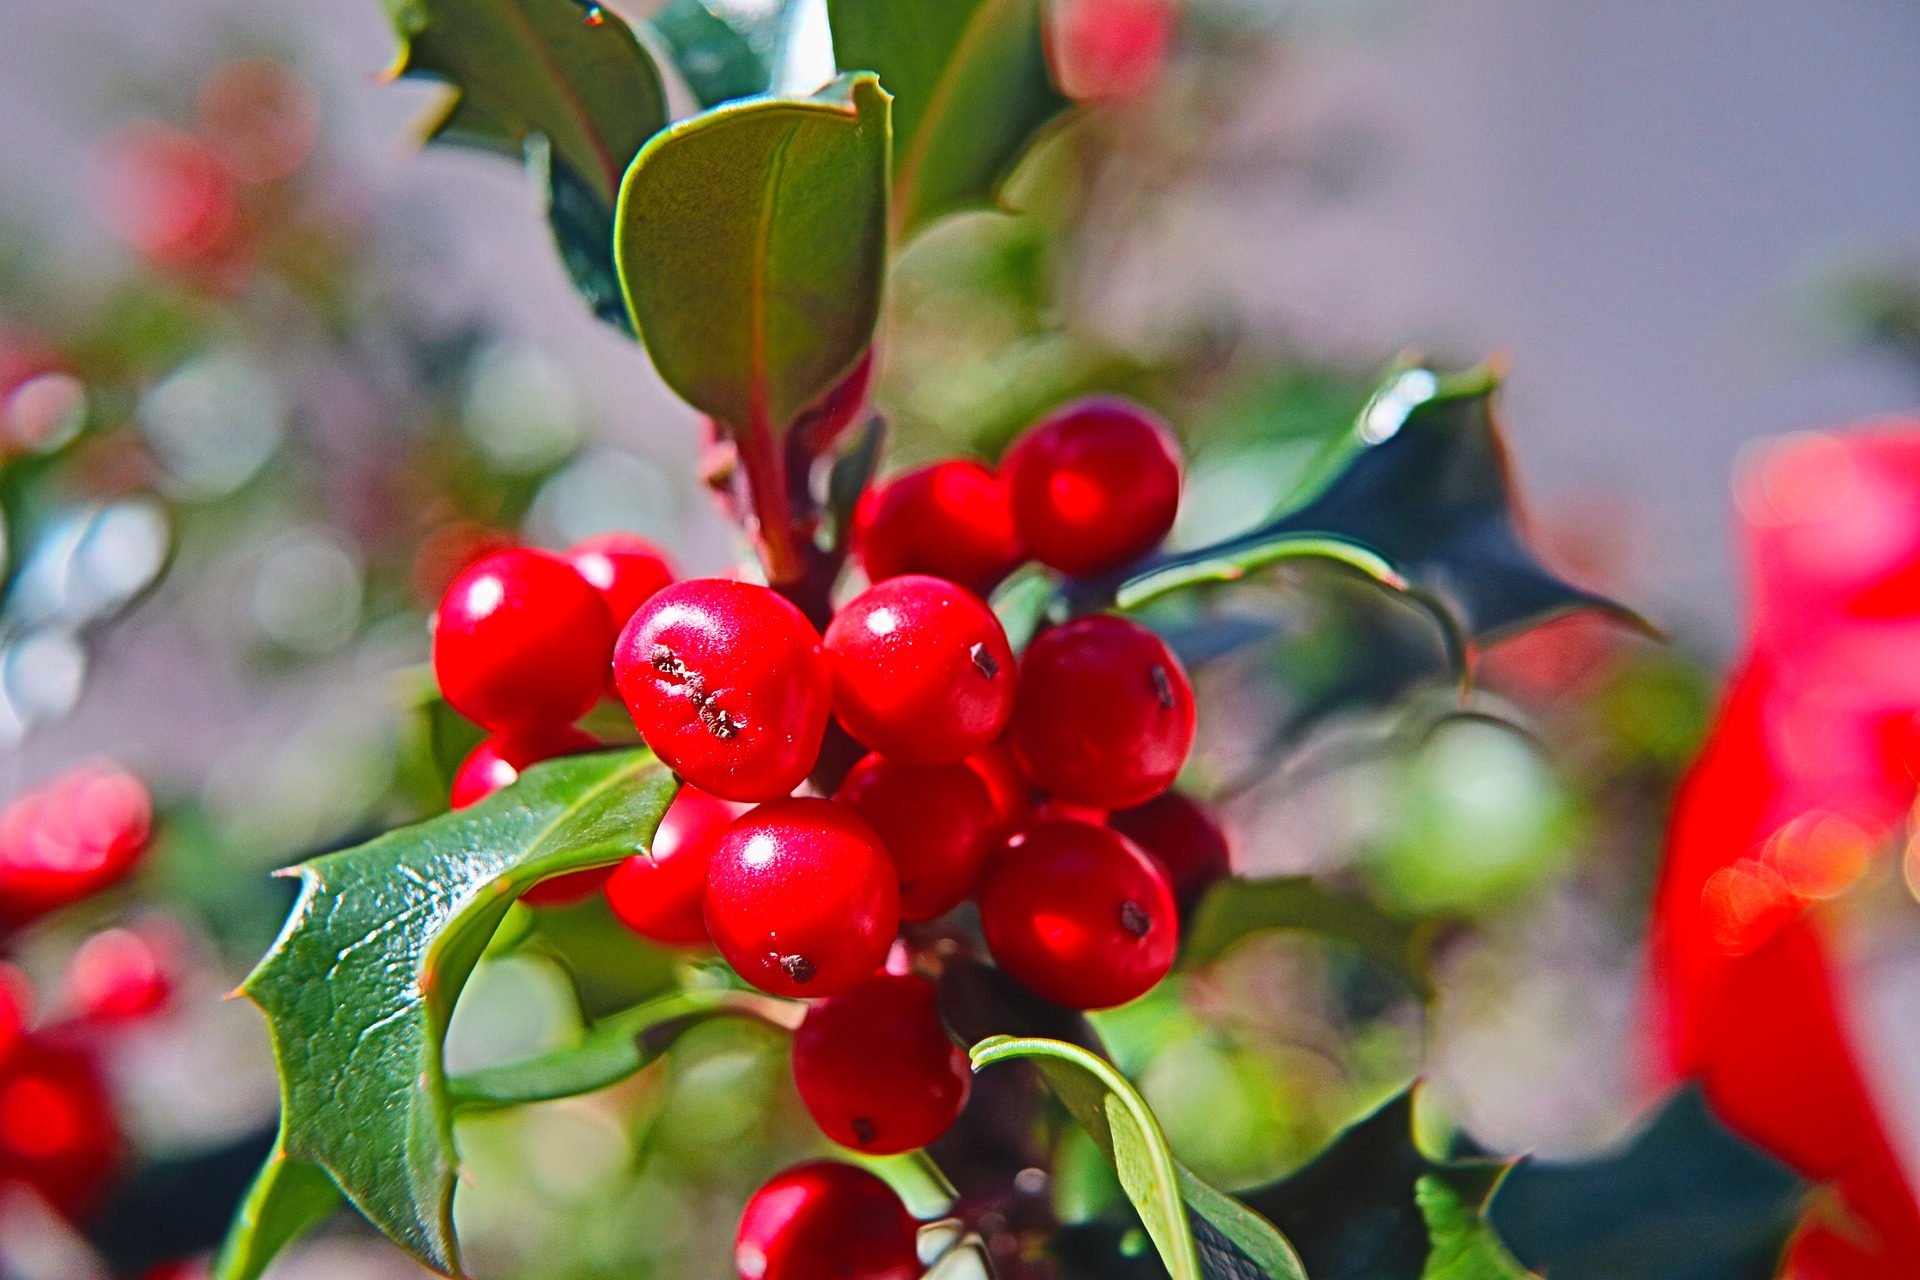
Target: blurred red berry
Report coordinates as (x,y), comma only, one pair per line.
(826,1221)
(1102,50)
(658,894)
(801,898)
(922,672)
(521,640)
(727,683)
(119,975)
(498,760)
(950,520)
(16,1006)
(260,117)
(1182,837)
(1105,715)
(1093,485)
(57,1128)
(937,823)
(70,838)
(1078,914)
(173,200)
(876,1068)
(624,568)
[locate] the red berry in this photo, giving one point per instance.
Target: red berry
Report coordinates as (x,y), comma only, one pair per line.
(624,568)
(950,520)
(1179,834)
(657,894)
(57,1130)
(824,1220)
(1008,787)
(1105,714)
(521,639)
(498,760)
(1093,485)
(922,672)
(70,839)
(119,975)
(16,1004)
(1080,915)
(877,1070)
(728,684)
(937,823)
(801,898)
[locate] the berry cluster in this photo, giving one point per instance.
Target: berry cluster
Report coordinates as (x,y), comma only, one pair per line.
(1037,788)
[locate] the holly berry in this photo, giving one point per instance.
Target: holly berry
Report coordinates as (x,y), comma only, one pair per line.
(70,839)
(624,568)
(801,898)
(727,683)
(16,1005)
(498,760)
(1179,834)
(950,520)
(824,1220)
(57,1130)
(1105,713)
(1080,915)
(1093,485)
(937,823)
(521,640)
(658,894)
(1006,785)
(876,1068)
(119,975)
(922,671)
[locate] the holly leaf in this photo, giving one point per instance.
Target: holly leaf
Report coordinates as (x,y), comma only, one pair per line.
(1200,1233)
(1417,494)
(562,86)
(751,242)
(1235,909)
(1687,1199)
(719,61)
(971,90)
(288,1199)
(359,987)
(1373,1206)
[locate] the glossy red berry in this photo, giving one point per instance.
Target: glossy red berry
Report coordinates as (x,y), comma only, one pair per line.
(922,672)
(57,1128)
(70,839)
(1093,485)
(624,568)
(1105,713)
(1182,837)
(950,520)
(801,898)
(1007,786)
(658,894)
(876,1068)
(520,639)
(1080,915)
(498,760)
(728,684)
(937,824)
(824,1220)
(120,975)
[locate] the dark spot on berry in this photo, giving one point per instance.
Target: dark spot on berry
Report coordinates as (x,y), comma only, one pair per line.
(1162,687)
(1135,920)
(983,661)
(863,1130)
(706,707)
(799,969)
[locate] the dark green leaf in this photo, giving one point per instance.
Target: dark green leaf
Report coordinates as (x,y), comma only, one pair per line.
(971,90)
(614,1049)
(562,86)
(1417,493)
(1685,1200)
(288,1199)
(1022,603)
(1234,909)
(1198,1231)
(718,61)
(752,245)
(1358,1211)
(363,979)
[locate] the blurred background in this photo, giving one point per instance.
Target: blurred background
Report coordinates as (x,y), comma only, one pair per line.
(270,374)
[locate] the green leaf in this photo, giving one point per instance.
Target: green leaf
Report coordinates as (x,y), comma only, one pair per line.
(1417,494)
(564,87)
(363,979)
(1686,1199)
(718,61)
(1198,1231)
(971,90)
(1234,909)
(1022,603)
(751,241)
(1358,1211)
(288,1199)
(616,1047)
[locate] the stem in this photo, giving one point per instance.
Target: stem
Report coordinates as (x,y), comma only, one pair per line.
(764,472)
